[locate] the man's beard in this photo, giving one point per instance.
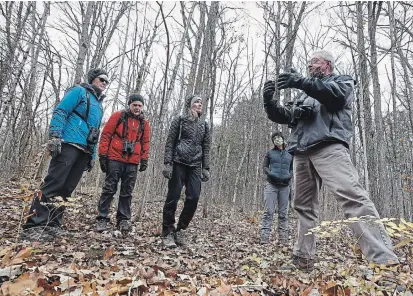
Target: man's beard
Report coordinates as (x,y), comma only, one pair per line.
(317,73)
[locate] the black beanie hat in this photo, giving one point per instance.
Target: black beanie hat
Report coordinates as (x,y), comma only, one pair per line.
(93,73)
(135,97)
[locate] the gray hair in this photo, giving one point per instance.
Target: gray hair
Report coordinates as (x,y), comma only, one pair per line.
(328,56)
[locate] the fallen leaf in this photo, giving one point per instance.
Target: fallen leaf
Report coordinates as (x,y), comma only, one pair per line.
(25,281)
(108,253)
(20,256)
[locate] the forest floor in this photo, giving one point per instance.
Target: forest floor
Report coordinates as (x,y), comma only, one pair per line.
(224,257)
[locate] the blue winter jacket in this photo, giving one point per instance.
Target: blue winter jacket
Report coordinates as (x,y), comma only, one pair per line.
(278,166)
(68,125)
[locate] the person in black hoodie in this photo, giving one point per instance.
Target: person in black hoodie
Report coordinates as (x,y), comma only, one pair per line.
(277,166)
(186,163)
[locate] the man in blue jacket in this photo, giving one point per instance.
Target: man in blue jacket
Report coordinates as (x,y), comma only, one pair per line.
(277,166)
(73,135)
(321,130)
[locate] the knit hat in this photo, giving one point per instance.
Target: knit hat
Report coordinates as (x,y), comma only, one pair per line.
(93,73)
(191,100)
(135,97)
(277,138)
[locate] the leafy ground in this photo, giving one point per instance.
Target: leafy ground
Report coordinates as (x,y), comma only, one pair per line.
(224,258)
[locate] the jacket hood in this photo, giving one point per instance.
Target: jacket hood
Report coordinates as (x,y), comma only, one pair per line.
(91,89)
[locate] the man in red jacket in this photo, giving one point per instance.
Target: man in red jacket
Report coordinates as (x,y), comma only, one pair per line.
(124,145)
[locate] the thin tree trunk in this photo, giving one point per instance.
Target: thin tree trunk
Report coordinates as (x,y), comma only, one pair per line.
(84,42)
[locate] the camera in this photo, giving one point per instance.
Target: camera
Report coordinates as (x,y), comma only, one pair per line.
(92,137)
(299,111)
(128,147)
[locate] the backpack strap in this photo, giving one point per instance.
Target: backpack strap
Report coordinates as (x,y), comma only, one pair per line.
(122,118)
(85,118)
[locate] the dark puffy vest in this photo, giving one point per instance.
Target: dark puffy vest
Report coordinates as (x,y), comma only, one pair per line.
(280,163)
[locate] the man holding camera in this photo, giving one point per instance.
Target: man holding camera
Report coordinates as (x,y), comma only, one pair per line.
(123,149)
(321,130)
(73,135)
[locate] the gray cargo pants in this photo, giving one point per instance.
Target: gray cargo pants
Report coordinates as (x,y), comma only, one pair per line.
(272,195)
(332,165)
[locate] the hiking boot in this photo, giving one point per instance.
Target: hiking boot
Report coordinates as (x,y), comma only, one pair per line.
(102,225)
(386,279)
(303,264)
(37,233)
(181,238)
(264,240)
(169,240)
(124,227)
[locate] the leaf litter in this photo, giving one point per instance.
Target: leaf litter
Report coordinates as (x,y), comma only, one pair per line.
(224,257)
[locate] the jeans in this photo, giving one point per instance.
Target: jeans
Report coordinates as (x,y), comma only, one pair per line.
(274,194)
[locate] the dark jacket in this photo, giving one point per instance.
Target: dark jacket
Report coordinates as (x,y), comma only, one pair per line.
(115,133)
(188,142)
(278,166)
(68,125)
(331,99)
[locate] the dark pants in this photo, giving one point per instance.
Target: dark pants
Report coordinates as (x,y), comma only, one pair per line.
(65,171)
(191,178)
(127,172)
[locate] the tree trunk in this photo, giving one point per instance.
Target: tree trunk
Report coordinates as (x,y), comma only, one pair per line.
(365,115)
(84,42)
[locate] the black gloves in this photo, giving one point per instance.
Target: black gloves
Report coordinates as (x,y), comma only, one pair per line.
(205,175)
(290,80)
(167,171)
(143,165)
(54,145)
(268,91)
(90,164)
(103,161)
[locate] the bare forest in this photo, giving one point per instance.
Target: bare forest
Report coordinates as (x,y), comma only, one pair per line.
(224,51)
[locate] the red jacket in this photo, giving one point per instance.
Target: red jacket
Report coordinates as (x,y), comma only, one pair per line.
(111,140)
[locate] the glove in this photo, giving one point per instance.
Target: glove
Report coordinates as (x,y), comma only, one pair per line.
(290,80)
(54,145)
(167,171)
(90,164)
(144,165)
(205,175)
(103,161)
(268,91)
(267,171)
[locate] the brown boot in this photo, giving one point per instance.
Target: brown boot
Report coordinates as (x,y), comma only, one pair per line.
(306,265)
(303,263)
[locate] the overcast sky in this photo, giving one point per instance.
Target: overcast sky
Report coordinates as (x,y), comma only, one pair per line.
(250,24)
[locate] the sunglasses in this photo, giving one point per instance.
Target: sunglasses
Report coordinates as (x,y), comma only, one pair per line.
(103,80)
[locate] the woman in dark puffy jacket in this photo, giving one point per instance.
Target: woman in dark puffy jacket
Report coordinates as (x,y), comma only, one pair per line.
(186,163)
